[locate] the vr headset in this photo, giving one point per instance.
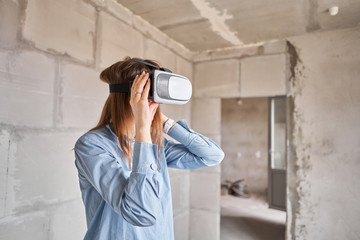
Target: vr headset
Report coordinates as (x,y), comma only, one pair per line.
(166,87)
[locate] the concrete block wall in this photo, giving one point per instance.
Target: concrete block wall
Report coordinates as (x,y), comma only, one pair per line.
(51,53)
(257,71)
(319,74)
(324,166)
(222,74)
(268,71)
(205,187)
(179,179)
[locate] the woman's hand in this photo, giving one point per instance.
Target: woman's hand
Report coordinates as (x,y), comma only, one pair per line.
(143,110)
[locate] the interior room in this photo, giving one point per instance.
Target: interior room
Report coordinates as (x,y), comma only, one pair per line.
(253,176)
(274,83)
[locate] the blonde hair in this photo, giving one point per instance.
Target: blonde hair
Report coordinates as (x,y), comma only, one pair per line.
(117,110)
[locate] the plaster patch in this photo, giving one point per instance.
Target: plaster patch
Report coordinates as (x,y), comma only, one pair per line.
(217,20)
(299,209)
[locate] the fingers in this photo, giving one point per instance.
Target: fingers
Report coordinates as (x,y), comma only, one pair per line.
(139,83)
(145,93)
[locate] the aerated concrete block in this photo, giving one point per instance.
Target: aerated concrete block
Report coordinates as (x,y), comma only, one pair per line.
(41,169)
(213,169)
(162,55)
(206,116)
(118,10)
(181,226)
(26,93)
(33,225)
(205,191)
(66,27)
(152,32)
(185,68)
(204,225)
(81,112)
(177,112)
(68,221)
(273,47)
(217,79)
(179,49)
(175,171)
(83,95)
(118,40)
(148,30)
(9,20)
(79,81)
(263,76)
(180,189)
(219,54)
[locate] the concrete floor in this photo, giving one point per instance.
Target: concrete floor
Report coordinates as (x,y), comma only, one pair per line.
(250,219)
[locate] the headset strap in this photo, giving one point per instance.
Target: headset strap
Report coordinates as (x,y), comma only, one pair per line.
(126,87)
(121,87)
(150,65)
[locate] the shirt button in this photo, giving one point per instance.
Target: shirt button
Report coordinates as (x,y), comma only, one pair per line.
(153,166)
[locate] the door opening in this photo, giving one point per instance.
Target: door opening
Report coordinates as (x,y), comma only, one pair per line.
(277,153)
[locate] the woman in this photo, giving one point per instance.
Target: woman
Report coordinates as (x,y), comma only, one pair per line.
(122,162)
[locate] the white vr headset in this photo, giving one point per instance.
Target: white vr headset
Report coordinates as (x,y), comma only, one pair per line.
(166,87)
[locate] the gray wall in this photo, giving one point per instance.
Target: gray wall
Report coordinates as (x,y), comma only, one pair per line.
(51,53)
(205,182)
(324,166)
(244,139)
(50,50)
(320,76)
(219,75)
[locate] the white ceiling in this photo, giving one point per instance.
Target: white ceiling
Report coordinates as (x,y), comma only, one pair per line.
(209,24)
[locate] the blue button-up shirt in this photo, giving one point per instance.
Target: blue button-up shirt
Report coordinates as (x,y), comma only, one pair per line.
(135,204)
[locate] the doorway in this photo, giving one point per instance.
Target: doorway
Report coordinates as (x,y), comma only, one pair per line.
(247,135)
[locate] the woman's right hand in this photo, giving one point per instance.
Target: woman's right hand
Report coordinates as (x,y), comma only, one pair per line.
(143,110)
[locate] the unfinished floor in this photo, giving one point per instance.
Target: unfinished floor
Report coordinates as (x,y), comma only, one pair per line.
(250,219)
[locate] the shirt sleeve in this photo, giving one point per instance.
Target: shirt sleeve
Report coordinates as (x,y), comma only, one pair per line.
(193,150)
(136,198)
